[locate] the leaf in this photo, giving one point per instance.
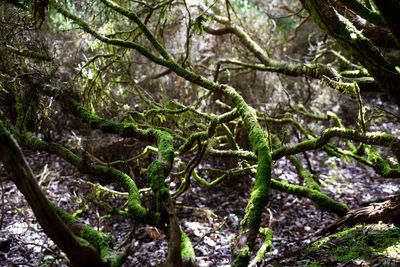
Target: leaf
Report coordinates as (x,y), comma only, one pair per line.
(153,232)
(77,212)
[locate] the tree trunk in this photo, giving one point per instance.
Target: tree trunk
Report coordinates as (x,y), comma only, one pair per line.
(79,254)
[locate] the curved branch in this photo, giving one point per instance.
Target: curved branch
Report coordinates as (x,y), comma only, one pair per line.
(380,139)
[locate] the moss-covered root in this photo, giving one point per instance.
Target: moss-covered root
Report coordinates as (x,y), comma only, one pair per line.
(158,170)
(268,236)
(187,251)
(259,195)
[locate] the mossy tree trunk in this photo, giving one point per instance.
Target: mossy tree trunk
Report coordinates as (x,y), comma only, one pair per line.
(79,253)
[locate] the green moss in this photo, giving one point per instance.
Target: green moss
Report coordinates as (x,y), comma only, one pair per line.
(304,174)
(187,251)
(191,140)
(268,237)
(98,240)
(361,243)
(136,210)
(157,178)
(380,165)
(30,118)
(322,201)
(65,216)
(166,146)
(85,115)
(259,195)
(242,257)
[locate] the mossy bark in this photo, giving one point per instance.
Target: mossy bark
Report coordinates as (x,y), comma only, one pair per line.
(259,194)
(187,251)
(304,174)
(268,238)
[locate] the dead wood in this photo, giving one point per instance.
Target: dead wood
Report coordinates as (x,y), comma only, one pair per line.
(387,212)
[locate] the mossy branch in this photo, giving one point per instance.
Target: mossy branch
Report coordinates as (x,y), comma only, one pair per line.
(132,16)
(135,209)
(380,139)
(259,195)
(311,70)
(80,254)
(339,27)
(304,174)
(112,41)
(364,12)
(201,136)
(267,244)
(321,200)
(101,242)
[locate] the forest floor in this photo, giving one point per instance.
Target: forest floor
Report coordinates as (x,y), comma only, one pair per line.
(211,217)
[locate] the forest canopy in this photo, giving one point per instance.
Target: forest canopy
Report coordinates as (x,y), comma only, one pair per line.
(117,116)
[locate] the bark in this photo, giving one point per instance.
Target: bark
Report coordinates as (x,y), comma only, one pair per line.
(387,211)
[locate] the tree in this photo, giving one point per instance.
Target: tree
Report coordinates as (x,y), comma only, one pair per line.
(128,47)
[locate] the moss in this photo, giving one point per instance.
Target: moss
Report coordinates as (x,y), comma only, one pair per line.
(126,130)
(165,146)
(304,174)
(30,118)
(85,115)
(259,194)
(321,200)
(65,216)
(242,257)
(136,210)
(268,237)
(361,243)
(187,251)
(191,140)
(98,240)
(19,109)
(380,165)
(157,178)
